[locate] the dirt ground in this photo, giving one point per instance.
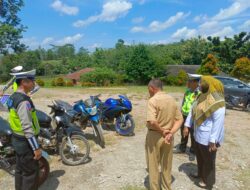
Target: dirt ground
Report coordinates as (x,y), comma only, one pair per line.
(121,165)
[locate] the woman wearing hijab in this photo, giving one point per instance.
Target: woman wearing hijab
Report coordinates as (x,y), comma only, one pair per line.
(207,119)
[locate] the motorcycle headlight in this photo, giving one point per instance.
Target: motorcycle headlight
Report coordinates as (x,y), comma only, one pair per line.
(92,111)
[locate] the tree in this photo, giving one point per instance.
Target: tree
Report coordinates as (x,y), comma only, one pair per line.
(209,66)
(241,69)
(141,67)
(194,51)
(10,26)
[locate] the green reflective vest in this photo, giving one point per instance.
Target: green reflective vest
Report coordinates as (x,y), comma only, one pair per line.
(189,98)
(14,120)
(14,86)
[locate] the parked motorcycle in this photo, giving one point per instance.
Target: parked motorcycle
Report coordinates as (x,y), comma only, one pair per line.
(63,135)
(8,158)
(238,102)
(89,117)
(118,110)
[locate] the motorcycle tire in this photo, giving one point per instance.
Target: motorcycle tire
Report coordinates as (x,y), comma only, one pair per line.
(44,170)
(99,134)
(66,148)
(127,130)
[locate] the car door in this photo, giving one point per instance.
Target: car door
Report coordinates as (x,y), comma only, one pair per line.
(237,88)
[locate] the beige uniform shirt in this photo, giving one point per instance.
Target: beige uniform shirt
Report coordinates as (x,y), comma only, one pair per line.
(163,109)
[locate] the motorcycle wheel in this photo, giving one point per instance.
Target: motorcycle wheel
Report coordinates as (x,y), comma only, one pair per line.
(248,107)
(44,170)
(81,148)
(99,134)
(126,128)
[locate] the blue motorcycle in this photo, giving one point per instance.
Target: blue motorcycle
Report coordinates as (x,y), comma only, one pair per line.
(118,110)
(89,117)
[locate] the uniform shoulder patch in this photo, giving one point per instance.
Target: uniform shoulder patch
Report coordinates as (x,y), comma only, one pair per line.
(28,106)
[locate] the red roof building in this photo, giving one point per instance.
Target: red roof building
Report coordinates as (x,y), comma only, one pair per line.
(75,77)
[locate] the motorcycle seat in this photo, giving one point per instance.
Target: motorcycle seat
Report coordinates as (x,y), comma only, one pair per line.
(44,119)
(4,128)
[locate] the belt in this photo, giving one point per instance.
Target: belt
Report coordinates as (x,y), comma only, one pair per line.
(19,137)
(151,130)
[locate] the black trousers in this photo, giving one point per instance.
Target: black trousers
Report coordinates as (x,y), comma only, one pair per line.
(184,140)
(27,169)
(206,164)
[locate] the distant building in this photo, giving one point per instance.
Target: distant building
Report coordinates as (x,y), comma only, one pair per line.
(174,69)
(75,77)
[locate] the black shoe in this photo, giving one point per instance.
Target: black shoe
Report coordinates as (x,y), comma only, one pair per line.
(179,151)
(194,176)
(191,157)
(191,150)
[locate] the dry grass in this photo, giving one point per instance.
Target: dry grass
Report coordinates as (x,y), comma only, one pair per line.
(244,177)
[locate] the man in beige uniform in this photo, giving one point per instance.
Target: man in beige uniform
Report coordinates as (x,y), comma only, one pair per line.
(163,120)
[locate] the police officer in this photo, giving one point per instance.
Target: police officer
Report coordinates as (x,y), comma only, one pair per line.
(25,127)
(190,95)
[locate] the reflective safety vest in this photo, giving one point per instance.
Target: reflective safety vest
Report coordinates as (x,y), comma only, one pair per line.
(14,86)
(15,99)
(189,98)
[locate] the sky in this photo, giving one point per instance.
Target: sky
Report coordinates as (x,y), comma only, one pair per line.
(100,23)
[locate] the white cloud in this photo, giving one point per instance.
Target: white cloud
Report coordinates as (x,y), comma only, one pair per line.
(63,8)
(69,39)
(226,31)
(157,26)
(221,23)
(236,8)
(201,18)
(209,25)
(47,41)
(159,42)
(32,42)
(137,20)
(111,10)
(184,33)
(95,45)
(245,26)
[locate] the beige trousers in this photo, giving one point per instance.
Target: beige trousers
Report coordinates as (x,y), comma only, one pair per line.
(158,154)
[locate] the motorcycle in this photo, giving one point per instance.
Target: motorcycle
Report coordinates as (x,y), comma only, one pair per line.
(8,158)
(60,134)
(118,110)
(89,117)
(238,102)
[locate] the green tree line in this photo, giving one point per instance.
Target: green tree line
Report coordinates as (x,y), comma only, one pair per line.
(130,63)
(137,63)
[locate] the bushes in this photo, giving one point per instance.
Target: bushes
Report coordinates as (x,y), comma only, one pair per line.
(88,84)
(69,83)
(178,80)
(58,82)
(209,66)
(101,77)
(40,82)
(241,69)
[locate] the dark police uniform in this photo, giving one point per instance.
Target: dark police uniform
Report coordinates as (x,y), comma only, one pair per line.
(25,127)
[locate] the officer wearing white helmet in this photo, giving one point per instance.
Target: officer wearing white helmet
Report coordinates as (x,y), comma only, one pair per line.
(25,127)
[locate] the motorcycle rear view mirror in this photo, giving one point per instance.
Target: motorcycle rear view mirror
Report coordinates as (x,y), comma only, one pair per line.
(17,69)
